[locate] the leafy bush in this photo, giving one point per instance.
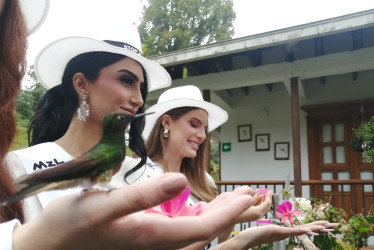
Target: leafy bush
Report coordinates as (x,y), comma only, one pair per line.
(365,132)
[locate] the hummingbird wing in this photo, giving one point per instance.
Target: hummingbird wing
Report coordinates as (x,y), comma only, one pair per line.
(97,164)
(80,167)
(62,176)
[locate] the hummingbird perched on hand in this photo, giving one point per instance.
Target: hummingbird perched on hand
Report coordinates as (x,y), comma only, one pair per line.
(96,165)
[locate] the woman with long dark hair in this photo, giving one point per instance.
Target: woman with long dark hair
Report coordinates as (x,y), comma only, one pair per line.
(96,220)
(96,78)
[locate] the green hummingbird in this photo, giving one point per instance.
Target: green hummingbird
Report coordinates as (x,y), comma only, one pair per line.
(96,165)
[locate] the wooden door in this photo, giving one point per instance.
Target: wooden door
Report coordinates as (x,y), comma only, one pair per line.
(329,129)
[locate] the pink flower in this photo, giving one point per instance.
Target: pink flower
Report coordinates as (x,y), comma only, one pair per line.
(262,222)
(178,206)
(285,212)
(262,191)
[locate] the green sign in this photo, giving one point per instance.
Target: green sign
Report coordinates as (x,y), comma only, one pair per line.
(226,147)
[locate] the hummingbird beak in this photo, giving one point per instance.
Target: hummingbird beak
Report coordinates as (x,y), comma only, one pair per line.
(143,114)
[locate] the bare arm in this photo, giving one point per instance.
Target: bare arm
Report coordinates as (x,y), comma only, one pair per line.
(256,236)
(101,220)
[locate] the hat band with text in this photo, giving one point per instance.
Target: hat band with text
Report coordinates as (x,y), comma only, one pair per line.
(124,45)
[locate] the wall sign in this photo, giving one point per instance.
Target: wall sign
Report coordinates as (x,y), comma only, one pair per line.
(226,147)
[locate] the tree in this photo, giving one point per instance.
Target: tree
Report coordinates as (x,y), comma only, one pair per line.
(169,25)
(26,104)
(28,98)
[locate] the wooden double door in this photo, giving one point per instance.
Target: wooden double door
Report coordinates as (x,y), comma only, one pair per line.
(330,130)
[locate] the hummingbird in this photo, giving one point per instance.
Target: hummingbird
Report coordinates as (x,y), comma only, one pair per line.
(97,165)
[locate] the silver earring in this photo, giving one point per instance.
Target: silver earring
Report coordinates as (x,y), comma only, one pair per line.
(83,110)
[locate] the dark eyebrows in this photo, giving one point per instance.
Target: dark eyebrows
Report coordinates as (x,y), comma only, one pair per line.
(130,73)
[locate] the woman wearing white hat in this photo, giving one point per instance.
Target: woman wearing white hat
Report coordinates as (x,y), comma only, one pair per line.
(112,79)
(96,220)
(86,79)
(175,141)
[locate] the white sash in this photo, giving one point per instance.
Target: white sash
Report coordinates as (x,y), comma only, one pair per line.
(41,157)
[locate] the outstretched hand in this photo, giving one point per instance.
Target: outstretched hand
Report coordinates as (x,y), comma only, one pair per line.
(256,236)
(258,210)
(101,220)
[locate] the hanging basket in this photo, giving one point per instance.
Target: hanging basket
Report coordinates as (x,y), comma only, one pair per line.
(356,144)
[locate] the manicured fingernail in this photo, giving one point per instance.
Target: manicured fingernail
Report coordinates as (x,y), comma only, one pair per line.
(312,233)
(174,183)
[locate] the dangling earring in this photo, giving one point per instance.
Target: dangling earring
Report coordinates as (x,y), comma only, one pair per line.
(83,110)
(165,134)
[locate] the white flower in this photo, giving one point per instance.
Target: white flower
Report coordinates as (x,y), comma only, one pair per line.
(303,205)
(321,212)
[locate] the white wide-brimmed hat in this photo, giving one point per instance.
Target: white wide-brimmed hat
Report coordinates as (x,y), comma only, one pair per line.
(51,61)
(185,96)
(34,12)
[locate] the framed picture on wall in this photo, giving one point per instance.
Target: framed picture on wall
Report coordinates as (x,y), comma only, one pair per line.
(281,151)
(262,142)
(245,133)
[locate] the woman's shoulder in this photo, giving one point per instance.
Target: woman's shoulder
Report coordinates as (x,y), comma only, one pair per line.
(37,157)
(34,151)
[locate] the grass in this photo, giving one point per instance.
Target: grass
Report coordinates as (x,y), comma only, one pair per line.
(20,141)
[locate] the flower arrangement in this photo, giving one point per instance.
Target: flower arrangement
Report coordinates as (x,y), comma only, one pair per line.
(364,135)
(351,233)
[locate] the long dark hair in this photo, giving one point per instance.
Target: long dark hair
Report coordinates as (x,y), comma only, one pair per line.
(56,108)
(13,44)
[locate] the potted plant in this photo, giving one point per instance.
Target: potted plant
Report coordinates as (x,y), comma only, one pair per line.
(364,140)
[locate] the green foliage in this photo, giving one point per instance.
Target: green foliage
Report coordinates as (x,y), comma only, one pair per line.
(28,99)
(366,132)
(214,160)
(351,232)
(263,247)
(20,141)
(169,25)
(26,104)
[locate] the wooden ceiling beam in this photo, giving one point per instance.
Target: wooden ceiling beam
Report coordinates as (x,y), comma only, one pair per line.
(323,80)
(255,57)
(229,91)
(358,43)
(192,68)
(269,86)
(245,90)
(354,76)
(319,49)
